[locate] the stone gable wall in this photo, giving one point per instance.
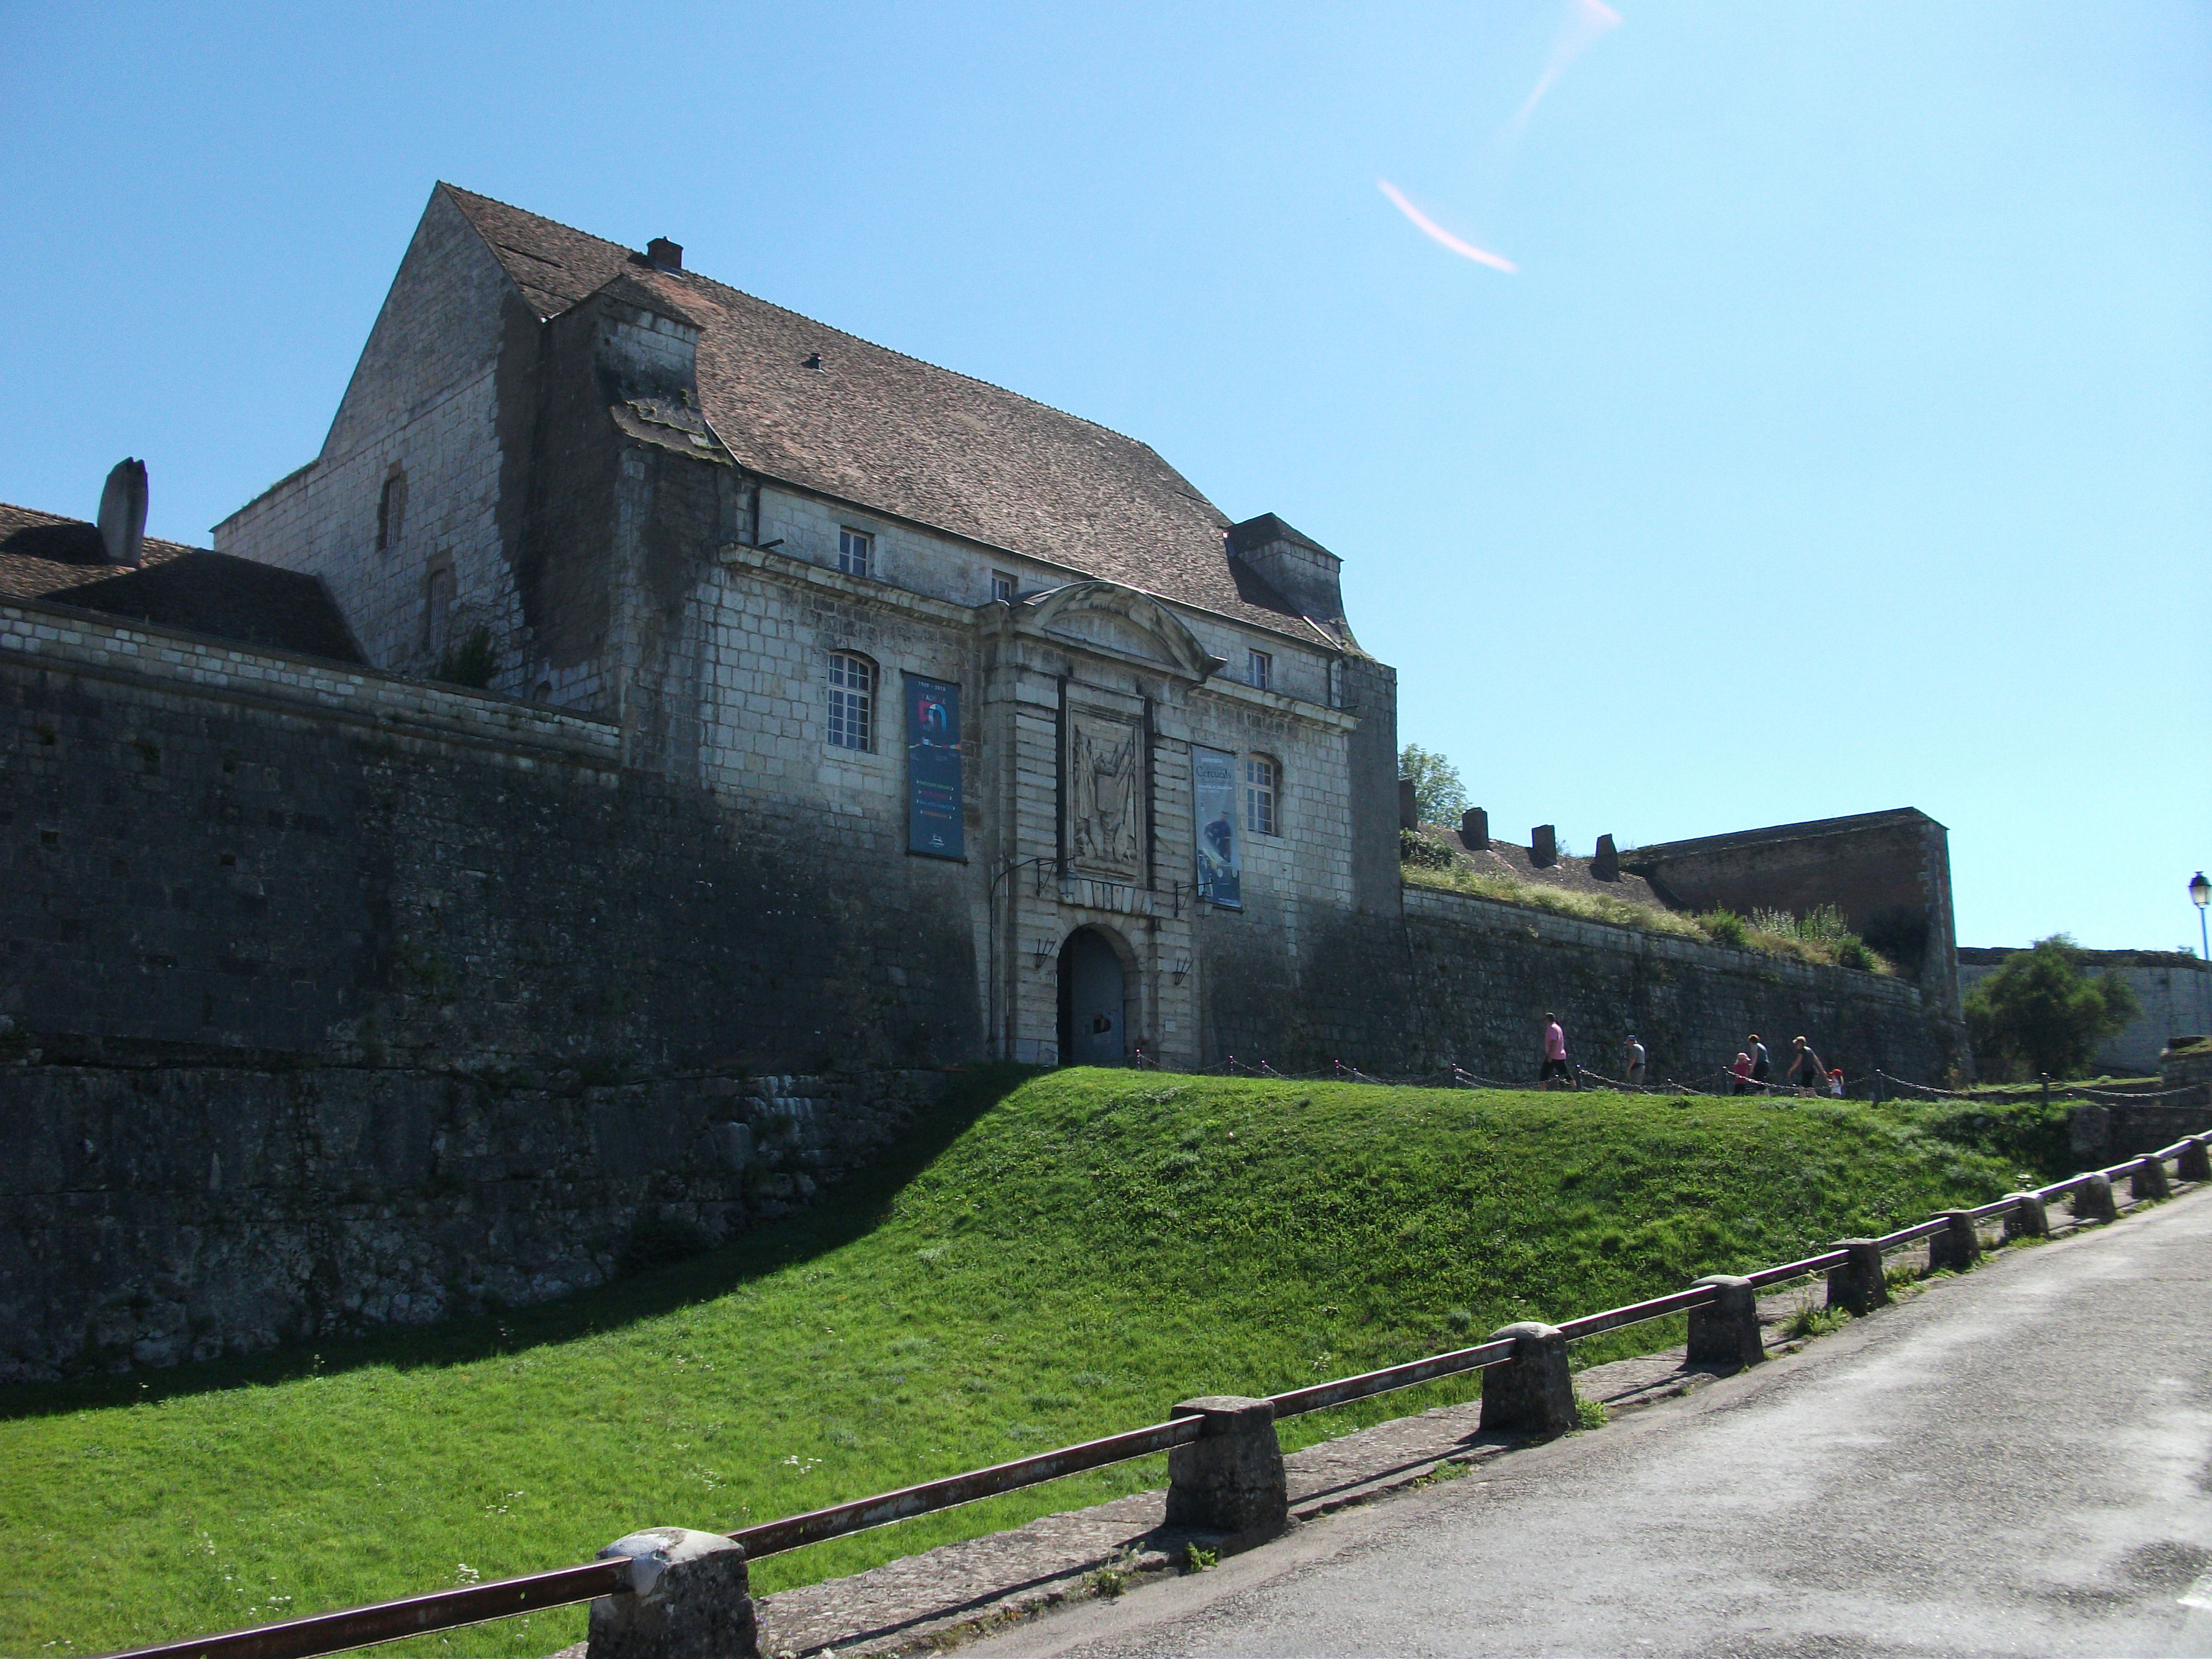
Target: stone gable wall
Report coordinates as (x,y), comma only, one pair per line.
(425,397)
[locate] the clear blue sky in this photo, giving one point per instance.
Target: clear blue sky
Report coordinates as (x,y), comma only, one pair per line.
(1840,442)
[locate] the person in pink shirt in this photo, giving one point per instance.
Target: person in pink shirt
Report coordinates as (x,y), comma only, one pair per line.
(1742,1070)
(1555,1055)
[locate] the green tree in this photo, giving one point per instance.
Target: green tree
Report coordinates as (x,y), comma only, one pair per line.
(2040,1014)
(1438,795)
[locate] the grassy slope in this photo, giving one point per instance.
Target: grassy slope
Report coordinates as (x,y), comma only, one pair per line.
(1064,1263)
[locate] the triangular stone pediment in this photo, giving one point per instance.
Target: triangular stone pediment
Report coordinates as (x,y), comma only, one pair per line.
(1124,621)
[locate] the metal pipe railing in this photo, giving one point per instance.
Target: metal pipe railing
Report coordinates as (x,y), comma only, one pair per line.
(773,1537)
(1320,1395)
(414,1615)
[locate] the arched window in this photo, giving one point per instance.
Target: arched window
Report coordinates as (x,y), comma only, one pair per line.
(852,700)
(392,511)
(1263,780)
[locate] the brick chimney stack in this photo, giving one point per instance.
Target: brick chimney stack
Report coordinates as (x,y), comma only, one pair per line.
(664,254)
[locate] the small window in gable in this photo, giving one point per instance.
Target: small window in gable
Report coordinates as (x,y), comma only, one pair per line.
(391,512)
(1260,668)
(852,700)
(856,553)
(1002,587)
(1263,779)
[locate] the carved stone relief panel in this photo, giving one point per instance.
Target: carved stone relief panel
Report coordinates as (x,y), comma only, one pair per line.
(1105,794)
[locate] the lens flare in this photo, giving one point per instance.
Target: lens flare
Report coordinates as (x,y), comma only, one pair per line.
(1430,227)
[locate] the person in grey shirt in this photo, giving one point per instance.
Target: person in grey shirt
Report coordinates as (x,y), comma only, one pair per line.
(1634,1073)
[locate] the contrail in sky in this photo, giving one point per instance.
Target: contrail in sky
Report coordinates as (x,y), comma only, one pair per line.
(1586,21)
(1431,228)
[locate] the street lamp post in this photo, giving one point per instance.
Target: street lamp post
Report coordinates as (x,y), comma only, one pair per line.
(2200,894)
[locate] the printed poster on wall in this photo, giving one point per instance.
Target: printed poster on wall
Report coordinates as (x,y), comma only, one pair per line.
(1213,797)
(933,768)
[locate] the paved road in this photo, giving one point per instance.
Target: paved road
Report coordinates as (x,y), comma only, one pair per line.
(2018,1461)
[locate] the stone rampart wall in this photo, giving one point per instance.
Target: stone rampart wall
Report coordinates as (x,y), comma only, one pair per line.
(1467,980)
(208,851)
(155,1214)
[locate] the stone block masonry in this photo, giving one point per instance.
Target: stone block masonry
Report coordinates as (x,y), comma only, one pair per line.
(1467,980)
(210,853)
(156,1214)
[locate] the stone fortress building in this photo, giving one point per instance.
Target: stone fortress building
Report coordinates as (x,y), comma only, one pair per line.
(1003,668)
(601,792)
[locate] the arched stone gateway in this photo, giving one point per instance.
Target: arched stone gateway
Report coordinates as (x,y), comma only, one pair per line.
(1093,1001)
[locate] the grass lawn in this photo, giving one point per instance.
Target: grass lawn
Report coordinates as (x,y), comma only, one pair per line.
(1041,1260)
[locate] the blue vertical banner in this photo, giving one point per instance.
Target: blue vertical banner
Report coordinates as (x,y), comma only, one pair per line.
(1213,817)
(933,768)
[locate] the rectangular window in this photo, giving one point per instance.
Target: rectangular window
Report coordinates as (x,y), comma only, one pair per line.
(854,548)
(1259,669)
(852,700)
(1002,587)
(391,512)
(437,608)
(1260,795)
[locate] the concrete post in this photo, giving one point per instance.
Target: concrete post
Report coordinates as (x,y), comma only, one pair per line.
(1532,1393)
(690,1598)
(1725,1331)
(1230,1478)
(2195,1162)
(1958,1247)
(1858,1285)
(2092,1200)
(2148,1180)
(2028,1218)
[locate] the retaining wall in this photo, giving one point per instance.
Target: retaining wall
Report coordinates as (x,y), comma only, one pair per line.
(155,1214)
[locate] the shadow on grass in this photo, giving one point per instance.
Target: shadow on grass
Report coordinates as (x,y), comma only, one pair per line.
(844,1213)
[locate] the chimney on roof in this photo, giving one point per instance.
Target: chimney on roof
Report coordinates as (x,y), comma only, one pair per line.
(122,512)
(1605,864)
(664,255)
(1297,566)
(1475,829)
(1543,846)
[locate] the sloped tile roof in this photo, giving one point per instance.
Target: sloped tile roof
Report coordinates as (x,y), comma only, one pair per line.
(885,430)
(44,556)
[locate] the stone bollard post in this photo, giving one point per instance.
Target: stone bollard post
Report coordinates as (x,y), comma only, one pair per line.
(690,1598)
(2027,1218)
(1230,1478)
(1859,1285)
(2148,1180)
(1958,1247)
(2092,1200)
(1532,1393)
(2195,1162)
(1725,1331)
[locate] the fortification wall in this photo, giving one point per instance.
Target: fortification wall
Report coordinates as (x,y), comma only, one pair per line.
(210,851)
(2174,992)
(1467,980)
(155,1214)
